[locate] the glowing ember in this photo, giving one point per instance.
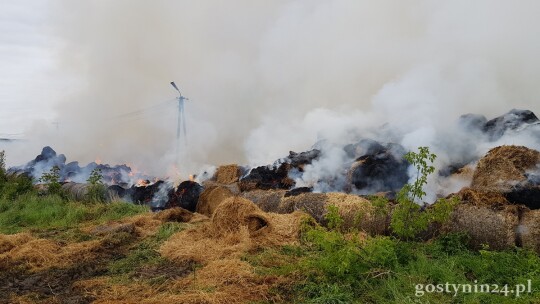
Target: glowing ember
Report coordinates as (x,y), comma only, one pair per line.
(142,183)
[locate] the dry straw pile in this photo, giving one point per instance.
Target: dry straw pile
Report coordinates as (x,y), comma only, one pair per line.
(504,166)
(228,174)
(237,226)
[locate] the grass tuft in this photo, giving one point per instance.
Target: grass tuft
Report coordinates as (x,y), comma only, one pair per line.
(30,211)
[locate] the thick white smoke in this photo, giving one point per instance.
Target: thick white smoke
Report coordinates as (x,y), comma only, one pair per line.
(266,77)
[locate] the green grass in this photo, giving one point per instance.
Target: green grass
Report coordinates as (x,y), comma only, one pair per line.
(331,268)
(30,211)
(145,253)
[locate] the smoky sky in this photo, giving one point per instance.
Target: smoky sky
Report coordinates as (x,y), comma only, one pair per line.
(266,77)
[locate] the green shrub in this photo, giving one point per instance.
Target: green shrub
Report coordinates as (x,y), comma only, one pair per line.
(97,191)
(408,218)
(334,219)
(52,180)
(2,166)
(12,186)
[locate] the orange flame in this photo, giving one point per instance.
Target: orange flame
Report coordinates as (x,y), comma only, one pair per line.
(142,182)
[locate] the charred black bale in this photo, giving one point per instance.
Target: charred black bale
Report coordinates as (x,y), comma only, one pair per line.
(365,146)
(298,191)
(185,196)
(268,177)
(276,176)
(384,169)
(143,195)
(42,163)
(513,120)
(524,195)
(298,160)
(116,191)
(472,121)
(526,192)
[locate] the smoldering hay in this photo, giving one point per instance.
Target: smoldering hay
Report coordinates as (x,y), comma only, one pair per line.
(266,78)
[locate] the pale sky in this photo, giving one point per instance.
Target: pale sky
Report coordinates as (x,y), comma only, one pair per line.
(29,82)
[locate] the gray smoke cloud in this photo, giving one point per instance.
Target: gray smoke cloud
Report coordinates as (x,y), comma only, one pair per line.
(266,77)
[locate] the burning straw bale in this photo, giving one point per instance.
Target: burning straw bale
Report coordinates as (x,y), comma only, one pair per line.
(185,196)
(502,167)
(268,177)
(228,174)
(378,168)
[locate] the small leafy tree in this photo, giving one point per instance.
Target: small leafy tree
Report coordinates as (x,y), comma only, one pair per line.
(13,185)
(96,189)
(52,179)
(408,218)
(3,177)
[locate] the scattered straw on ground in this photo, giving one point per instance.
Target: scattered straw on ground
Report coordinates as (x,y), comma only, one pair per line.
(174,215)
(8,242)
(236,227)
(39,254)
(504,166)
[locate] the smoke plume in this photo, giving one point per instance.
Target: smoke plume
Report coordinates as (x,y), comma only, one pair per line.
(266,77)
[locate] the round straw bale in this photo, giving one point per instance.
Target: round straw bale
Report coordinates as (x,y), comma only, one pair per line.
(267,200)
(486,225)
(311,203)
(529,229)
(75,191)
(210,199)
(228,174)
(234,187)
(356,212)
(235,212)
(502,167)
